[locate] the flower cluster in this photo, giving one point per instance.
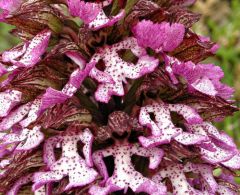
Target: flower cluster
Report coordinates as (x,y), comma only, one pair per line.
(112,96)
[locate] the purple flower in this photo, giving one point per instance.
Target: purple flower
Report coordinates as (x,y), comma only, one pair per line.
(92,14)
(162,128)
(9,99)
(183,185)
(25,56)
(219,148)
(9,6)
(52,96)
(26,139)
(125,175)
(117,70)
(70,164)
(112,104)
(30,53)
(159,37)
(22,181)
(205,78)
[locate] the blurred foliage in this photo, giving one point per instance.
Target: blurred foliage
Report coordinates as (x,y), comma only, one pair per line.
(221,21)
(6,39)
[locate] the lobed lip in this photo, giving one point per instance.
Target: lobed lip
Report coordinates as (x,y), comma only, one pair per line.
(69,124)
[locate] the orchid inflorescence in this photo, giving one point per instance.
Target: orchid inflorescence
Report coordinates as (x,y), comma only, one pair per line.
(112,97)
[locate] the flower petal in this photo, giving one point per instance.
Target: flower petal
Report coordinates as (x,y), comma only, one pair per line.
(27,138)
(92,14)
(163,129)
(221,138)
(186,138)
(219,148)
(159,37)
(48,154)
(223,190)
(15,116)
(188,113)
(32,114)
(9,6)
(77,58)
(70,163)
(102,20)
(8,100)
(206,172)
(233,163)
(36,48)
(162,118)
(124,175)
(181,184)
(53,96)
(178,179)
(33,137)
(85,10)
(13,54)
(217,156)
(205,78)
(118,69)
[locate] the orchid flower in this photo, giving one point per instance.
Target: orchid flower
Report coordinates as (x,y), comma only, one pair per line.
(162,128)
(181,184)
(9,6)
(30,53)
(159,37)
(70,164)
(201,77)
(25,180)
(118,70)
(124,174)
(92,14)
(220,148)
(103,97)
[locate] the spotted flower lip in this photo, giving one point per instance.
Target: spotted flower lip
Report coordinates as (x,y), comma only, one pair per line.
(220,148)
(116,102)
(9,99)
(23,181)
(30,54)
(25,139)
(223,190)
(233,163)
(26,55)
(181,184)
(163,130)
(124,174)
(71,163)
(15,116)
(118,70)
